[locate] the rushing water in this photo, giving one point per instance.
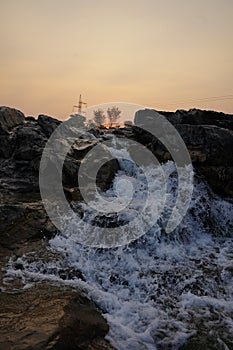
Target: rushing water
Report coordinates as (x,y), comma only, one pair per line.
(160,289)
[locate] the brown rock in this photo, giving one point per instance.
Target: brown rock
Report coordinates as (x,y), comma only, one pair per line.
(22,222)
(50,318)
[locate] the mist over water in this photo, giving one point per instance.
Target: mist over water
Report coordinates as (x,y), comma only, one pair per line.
(162,288)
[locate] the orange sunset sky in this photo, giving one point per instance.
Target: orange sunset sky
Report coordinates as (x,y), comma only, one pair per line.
(158,53)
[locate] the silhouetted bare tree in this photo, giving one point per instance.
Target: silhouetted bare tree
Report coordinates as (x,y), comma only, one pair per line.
(99,117)
(113,114)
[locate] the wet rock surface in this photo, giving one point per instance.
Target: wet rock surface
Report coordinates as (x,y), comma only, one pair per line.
(22,222)
(50,317)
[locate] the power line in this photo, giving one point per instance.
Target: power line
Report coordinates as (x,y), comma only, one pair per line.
(204,99)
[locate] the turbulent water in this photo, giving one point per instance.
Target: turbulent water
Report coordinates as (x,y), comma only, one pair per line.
(160,289)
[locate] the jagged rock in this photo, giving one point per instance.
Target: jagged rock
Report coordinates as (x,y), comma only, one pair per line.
(106,174)
(23,222)
(70,172)
(6,146)
(21,150)
(48,124)
(209,139)
(97,167)
(200,117)
(220,178)
(18,177)
(9,118)
(213,142)
(51,318)
(29,142)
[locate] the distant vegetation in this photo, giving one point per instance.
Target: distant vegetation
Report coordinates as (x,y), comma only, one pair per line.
(113,114)
(100,119)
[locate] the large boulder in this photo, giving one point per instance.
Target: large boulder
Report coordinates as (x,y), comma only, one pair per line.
(216,143)
(98,167)
(29,142)
(10,118)
(49,317)
(20,154)
(208,136)
(22,222)
(48,124)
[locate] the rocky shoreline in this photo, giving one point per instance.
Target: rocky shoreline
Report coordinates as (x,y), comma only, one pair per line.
(51,317)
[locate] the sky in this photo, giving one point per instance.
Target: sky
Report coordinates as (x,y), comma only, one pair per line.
(167,55)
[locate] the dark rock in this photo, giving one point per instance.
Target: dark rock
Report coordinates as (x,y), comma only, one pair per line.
(97,167)
(200,117)
(22,222)
(29,142)
(19,175)
(214,142)
(30,119)
(10,118)
(22,148)
(6,146)
(20,154)
(48,124)
(106,174)
(220,178)
(209,139)
(49,317)
(70,172)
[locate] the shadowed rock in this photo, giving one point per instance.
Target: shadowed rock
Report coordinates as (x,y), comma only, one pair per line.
(9,118)
(208,137)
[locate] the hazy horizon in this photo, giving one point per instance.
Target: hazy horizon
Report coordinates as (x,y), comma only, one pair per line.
(159,54)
